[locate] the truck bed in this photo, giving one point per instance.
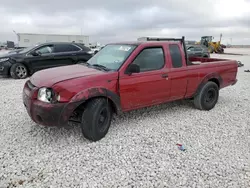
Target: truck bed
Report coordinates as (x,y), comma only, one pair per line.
(198,68)
(201,60)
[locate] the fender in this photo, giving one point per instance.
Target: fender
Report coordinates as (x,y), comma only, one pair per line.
(205,80)
(21,60)
(84,95)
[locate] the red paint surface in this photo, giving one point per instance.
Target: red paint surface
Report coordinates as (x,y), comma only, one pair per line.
(78,83)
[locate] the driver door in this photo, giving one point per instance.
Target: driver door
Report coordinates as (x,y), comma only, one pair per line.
(148,87)
(44,59)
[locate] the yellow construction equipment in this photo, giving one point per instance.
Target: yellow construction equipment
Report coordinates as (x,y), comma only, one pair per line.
(212,46)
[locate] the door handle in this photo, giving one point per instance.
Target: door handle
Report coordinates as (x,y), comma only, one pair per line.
(164,75)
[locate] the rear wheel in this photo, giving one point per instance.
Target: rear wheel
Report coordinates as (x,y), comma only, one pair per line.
(96,119)
(207,97)
(18,71)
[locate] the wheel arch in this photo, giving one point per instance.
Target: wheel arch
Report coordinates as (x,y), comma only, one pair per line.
(214,77)
(86,95)
(24,64)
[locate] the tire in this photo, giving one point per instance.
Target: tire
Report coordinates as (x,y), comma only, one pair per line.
(92,114)
(18,71)
(211,90)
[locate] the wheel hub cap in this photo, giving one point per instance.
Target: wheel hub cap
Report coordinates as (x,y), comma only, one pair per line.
(21,71)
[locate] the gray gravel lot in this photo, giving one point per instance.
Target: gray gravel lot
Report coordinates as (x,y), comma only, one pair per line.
(140,148)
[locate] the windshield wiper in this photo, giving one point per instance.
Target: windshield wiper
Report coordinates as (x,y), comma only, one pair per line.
(101,66)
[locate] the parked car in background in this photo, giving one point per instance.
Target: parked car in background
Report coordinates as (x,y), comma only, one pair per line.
(22,63)
(197,51)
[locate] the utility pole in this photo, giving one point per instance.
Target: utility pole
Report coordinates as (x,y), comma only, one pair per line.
(18,37)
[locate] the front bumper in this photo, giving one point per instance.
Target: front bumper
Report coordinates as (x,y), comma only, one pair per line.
(45,113)
(4,68)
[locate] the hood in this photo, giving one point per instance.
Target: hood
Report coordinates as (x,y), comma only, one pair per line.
(9,54)
(51,76)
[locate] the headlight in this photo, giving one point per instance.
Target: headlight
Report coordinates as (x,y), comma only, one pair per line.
(4,59)
(47,95)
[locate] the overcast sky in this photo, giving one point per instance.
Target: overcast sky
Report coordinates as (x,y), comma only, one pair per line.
(111,20)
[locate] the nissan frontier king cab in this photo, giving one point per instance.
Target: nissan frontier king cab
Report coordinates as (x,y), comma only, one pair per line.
(122,77)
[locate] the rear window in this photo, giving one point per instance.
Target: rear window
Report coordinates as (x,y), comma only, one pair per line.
(63,48)
(74,48)
(83,47)
(175,54)
(198,49)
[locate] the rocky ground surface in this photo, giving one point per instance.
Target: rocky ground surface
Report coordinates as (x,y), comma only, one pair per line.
(140,148)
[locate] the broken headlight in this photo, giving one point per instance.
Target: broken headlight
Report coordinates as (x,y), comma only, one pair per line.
(47,95)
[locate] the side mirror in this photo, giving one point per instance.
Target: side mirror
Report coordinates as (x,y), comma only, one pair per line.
(133,68)
(34,53)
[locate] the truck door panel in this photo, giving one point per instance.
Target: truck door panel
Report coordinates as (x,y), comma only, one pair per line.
(151,86)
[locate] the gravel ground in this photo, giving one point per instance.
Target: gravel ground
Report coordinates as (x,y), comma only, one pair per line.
(139,150)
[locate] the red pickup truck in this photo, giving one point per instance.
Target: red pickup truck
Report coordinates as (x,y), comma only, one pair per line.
(123,77)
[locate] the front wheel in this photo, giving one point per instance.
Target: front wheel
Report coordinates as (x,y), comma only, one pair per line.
(18,71)
(96,119)
(207,97)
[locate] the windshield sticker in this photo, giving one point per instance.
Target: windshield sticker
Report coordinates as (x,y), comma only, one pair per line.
(124,48)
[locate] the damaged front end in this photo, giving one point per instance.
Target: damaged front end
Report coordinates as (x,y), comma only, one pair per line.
(43,108)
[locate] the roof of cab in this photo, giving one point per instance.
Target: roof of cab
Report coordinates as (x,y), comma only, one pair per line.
(144,42)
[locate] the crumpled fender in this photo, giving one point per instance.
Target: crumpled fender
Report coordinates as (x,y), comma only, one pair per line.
(84,95)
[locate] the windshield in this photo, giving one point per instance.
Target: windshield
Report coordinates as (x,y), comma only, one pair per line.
(112,56)
(25,50)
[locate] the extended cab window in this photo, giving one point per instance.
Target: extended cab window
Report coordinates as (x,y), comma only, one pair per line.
(150,59)
(175,54)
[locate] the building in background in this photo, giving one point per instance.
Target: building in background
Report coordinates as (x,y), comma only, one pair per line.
(30,39)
